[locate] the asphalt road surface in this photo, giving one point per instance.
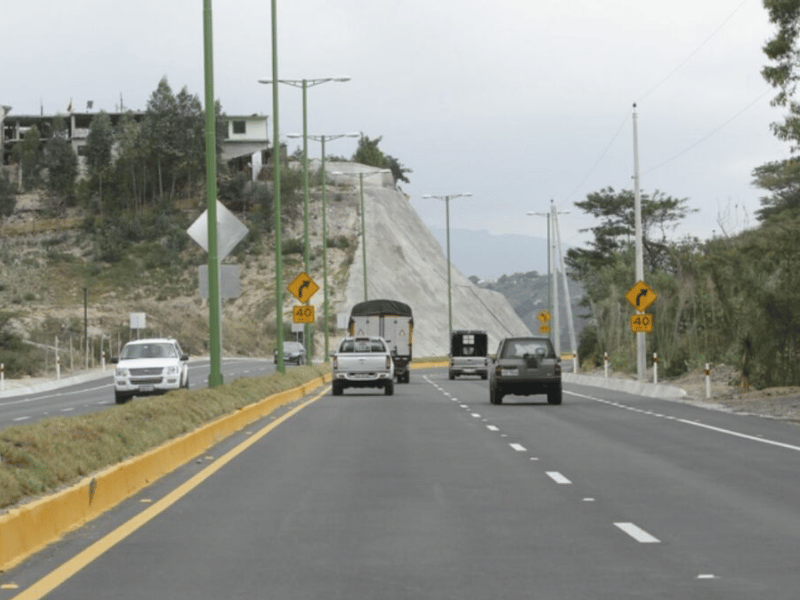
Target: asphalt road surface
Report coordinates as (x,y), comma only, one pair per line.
(98,393)
(435,493)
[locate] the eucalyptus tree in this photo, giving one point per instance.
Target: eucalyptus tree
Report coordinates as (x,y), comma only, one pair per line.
(606,268)
(8,198)
(62,166)
(28,157)
(99,143)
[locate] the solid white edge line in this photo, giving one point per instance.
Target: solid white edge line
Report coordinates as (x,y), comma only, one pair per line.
(637,533)
(697,424)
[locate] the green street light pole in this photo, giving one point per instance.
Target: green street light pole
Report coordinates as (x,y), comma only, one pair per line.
(215,345)
(276,161)
(363,220)
(323,139)
(304,84)
(449,285)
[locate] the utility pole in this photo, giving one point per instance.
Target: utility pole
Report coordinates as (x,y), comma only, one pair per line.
(568,301)
(641,342)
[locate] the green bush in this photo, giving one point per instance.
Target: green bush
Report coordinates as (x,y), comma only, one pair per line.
(293,246)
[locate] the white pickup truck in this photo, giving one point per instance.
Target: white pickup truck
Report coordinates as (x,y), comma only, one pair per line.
(363,362)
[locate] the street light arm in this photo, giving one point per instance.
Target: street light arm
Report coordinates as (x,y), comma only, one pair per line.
(305,82)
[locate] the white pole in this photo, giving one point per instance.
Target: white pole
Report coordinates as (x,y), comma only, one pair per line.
(708,382)
(554,284)
(605,364)
(58,361)
(568,303)
(641,343)
(655,367)
(2,377)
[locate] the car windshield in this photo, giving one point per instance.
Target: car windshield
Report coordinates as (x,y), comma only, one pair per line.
(149,350)
(521,348)
(292,346)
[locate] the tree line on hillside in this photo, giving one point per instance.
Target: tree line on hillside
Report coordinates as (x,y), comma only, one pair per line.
(149,163)
(731,299)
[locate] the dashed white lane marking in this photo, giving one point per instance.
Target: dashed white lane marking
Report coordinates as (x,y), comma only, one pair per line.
(492,428)
(637,533)
(519,447)
(558,478)
(476,415)
(21,419)
(706,576)
(70,409)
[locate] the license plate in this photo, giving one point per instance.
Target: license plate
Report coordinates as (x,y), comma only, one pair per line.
(509,372)
(146,388)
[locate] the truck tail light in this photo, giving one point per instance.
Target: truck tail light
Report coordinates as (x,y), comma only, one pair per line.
(335,362)
(388,362)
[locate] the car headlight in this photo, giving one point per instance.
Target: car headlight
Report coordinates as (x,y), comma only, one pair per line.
(172,370)
(122,372)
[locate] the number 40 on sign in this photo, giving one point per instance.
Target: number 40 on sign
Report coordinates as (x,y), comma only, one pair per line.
(642,323)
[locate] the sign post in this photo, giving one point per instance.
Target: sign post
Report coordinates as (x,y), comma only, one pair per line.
(302,288)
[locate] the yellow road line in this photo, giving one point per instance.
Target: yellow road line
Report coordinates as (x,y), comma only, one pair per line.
(55,578)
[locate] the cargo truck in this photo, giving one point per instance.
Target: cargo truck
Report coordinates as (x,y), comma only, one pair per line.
(392,320)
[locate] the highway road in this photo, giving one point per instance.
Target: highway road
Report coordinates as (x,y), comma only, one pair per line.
(97,393)
(435,493)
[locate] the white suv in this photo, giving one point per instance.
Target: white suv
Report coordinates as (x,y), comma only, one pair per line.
(150,366)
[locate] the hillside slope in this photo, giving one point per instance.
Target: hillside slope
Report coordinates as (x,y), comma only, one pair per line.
(44,272)
(405,262)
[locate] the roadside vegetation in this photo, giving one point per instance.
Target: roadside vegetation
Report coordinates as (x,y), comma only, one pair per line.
(731,299)
(43,457)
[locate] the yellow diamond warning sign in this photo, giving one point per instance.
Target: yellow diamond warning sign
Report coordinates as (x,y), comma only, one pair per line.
(303,287)
(641,296)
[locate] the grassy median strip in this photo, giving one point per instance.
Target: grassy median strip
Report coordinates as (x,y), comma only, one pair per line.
(43,457)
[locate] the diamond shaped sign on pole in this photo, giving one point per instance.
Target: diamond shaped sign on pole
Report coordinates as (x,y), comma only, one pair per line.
(230,231)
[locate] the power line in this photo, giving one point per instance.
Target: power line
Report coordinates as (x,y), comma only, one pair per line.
(695,51)
(654,88)
(704,138)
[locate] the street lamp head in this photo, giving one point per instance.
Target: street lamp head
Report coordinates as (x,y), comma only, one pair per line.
(446,196)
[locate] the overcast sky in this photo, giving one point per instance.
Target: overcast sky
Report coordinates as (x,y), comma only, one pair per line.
(514,101)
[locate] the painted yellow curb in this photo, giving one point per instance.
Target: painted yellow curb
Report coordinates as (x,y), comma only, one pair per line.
(31,527)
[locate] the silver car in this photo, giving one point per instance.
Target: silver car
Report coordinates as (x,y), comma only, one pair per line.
(525,366)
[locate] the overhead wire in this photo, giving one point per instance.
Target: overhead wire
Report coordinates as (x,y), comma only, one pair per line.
(681,65)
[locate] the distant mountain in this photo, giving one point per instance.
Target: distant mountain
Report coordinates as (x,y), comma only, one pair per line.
(516,266)
(489,256)
(529,295)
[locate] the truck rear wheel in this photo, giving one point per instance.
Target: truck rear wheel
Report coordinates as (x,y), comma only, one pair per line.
(389,388)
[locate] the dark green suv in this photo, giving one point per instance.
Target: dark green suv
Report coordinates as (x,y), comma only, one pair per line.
(525,366)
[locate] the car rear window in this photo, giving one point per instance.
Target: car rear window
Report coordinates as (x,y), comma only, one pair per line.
(520,348)
(362,346)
